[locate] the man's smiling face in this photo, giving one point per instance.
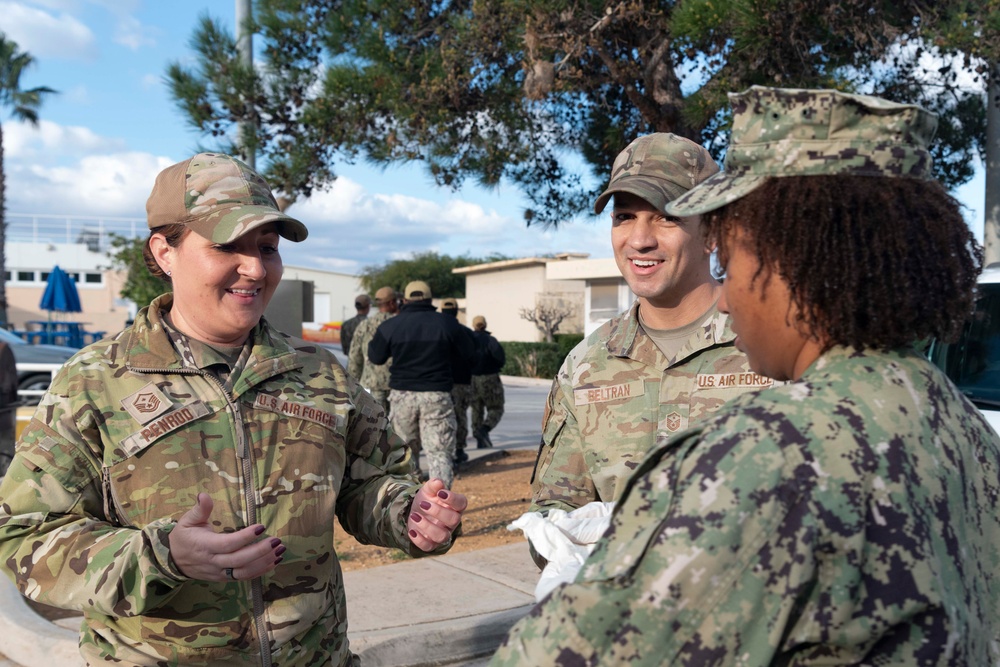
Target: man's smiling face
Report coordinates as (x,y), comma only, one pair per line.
(661,258)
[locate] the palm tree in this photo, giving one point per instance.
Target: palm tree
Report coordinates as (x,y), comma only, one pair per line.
(23,105)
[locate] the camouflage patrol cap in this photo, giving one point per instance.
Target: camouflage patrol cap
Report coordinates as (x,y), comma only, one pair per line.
(794,132)
(417,290)
(217,197)
(385,294)
(659,168)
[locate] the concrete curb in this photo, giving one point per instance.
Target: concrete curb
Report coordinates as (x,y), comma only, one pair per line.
(39,643)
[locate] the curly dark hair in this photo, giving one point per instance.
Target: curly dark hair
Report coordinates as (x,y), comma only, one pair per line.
(173,233)
(870,262)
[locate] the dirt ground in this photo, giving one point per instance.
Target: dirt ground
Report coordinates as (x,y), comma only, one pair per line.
(498,490)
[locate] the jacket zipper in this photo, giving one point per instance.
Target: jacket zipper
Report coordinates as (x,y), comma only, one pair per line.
(244,454)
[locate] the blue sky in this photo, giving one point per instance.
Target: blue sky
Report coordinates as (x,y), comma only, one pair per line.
(113,126)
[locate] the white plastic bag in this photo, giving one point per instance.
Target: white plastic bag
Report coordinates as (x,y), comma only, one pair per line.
(564,539)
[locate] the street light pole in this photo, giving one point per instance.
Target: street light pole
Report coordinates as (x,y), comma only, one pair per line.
(244,44)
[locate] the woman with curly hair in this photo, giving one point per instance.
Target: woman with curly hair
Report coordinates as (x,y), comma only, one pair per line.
(847,516)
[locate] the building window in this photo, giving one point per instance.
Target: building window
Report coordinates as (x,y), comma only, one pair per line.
(25,276)
(44,277)
(6,276)
(603,301)
(92,278)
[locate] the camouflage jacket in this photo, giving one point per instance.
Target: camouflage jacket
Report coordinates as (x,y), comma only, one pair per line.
(118,450)
(616,396)
(371,376)
(847,518)
(347,331)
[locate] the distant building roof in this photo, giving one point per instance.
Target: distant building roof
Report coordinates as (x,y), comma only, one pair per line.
(521,263)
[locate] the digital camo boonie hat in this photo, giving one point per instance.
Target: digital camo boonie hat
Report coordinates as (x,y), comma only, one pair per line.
(219,198)
(793,132)
(659,168)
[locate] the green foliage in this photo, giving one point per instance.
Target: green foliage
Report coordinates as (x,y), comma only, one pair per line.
(506,90)
(432,268)
(140,286)
(567,341)
(537,360)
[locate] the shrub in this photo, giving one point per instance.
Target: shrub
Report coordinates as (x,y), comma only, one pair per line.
(567,342)
(537,360)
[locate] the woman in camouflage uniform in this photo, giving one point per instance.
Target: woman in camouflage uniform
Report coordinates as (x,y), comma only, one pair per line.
(180,481)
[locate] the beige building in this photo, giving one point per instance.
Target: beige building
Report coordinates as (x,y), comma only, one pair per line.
(592,290)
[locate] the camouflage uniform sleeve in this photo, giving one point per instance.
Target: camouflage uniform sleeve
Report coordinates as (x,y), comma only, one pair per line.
(561,478)
(55,540)
(680,554)
(356,358)
(380,482)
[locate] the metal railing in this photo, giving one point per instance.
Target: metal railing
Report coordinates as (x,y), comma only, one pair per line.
(93,231)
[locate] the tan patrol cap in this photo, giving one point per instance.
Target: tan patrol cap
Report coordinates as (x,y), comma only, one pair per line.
(385,294)
(219,198)
(417,290)
(449,304)
(479,322)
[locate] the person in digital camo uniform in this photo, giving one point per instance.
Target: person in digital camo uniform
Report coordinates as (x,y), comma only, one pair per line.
(373,377)
(667,362)
(848,516)
(179,482)
(363,304)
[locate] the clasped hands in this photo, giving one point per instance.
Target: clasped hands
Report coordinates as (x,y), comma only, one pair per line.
(202,553)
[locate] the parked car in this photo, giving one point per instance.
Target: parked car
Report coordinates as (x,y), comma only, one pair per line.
(26,353)
(973,362)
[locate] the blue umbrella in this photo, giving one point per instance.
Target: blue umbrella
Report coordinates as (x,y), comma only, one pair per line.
(60,293)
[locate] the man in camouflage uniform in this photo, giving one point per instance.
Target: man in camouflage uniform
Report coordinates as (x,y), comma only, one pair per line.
(153,440)
(373,377)
(362,304)
(461,391)
(667,362)
(487,388)
(849,515)
(423,345)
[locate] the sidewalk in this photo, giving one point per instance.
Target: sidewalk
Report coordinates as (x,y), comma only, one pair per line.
(459,609)
(448,610)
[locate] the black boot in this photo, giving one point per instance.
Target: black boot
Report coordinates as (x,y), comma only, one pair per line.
(483,438)
(460,457)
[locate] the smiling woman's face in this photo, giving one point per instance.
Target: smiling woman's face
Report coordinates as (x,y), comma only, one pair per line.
(221,290)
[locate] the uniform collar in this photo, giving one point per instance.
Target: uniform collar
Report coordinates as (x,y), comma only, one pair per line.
(148,347)
(628,340)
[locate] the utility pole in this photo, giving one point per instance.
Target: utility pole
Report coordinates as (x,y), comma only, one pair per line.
(991,218)
(244,44)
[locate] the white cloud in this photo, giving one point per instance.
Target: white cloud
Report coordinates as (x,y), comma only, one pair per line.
(114,184)
(45,35)
(25,142)
(132,34)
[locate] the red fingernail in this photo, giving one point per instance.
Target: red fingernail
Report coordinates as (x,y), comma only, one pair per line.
(275,542)
(278,552)
(416,518)
(424,505)
(443,495)
(413,534)
(258,530)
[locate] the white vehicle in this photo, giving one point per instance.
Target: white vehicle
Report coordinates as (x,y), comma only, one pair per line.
(973,362)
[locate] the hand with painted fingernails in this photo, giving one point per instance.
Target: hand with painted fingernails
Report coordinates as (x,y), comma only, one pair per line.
(434,515)
(202,553)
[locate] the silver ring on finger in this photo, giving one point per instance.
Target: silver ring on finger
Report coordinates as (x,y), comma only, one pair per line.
(229,574)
